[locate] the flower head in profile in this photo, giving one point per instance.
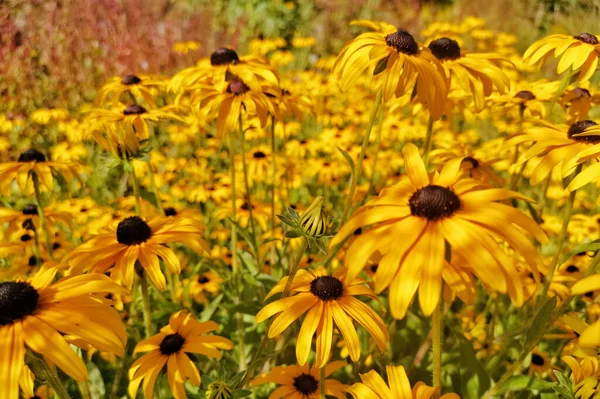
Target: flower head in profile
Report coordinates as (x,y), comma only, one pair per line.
(585,376)
(450,227)
(577,53)
(133,240)
(590,337)
(38,314)
(399,64)
(302,381)
(138,87)
(373,386)
(170,347)
(326,300)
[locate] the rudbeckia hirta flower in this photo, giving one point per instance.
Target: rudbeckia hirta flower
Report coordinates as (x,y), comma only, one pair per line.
(170,346)
(37,314)
(302,382)
(133,240)
(585,375)
(33,161)
(397,387)
(398,63)
(137,86)
(476,74)
(568,146)
(450,229)
(326,300)
(590,337)
(577,53)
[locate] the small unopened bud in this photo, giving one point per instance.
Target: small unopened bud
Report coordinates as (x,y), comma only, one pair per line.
(314,220)
(219,390)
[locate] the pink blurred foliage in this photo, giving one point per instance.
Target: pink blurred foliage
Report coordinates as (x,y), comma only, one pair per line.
(55,53)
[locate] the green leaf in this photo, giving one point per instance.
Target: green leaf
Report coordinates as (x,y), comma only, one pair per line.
(211,308)
(537,327)
(593,246)
(321,245)
(565,388)
(533,213)
(244,233)
(241,393)
(475,381)
(292,234)
(97,388)
(348,159)
(380,67)
(524,383)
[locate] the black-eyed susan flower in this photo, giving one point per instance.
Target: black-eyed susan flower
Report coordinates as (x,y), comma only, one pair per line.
(577,53)
(33,161)
(137,87)
(440,217)
(591,336)
(302,381)
(585,375)
(170,347)
(477,74)
(28,217)
(373,386)
(398,63)
(326,300)
(133,240)
(230,102)
(36,313)
(578,103)
(208,282)
(567,146)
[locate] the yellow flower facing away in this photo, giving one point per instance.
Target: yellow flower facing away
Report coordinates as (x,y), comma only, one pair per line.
(36,314)
(590,337)
(303,381)
(585,375)
(327,301)
(450,225)
(373,386)
(170,347)
(577,53)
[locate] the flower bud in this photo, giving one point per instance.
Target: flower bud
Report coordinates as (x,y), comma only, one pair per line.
(314,220)
(219,390)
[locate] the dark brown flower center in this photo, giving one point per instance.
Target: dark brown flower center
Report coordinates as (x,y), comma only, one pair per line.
(246,207)
(28,224)
(224,56)
(237,87)
(327,288)
(403,42)
(30,210)
(172,343)
(525,95)
(587,38)
(26,237)
(130,80)
(32,261)
(259,155)
(580,92)
(434,202)
(170,211)
(32,155)
(134,109)
(17,300)
(445,49)
(474,163)
(537,360)
(133,230)
(580,127)
(203,280)
(306,384)
(572,269)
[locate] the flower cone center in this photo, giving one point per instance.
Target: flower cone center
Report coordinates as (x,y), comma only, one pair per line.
(587,38)
(134,109)
(17,300)
(434,202)
(537,359)
(306,384)
(30,210)
(525,95)
(133,230)
(580,127)
(32,155)
(237,87)
(172,343)
(580,92)
(445,49)
(224,56)
(403,42)
(259,155)
(327,288)
(130,80)
(170,211)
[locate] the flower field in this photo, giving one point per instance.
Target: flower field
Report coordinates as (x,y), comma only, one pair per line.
(414,216)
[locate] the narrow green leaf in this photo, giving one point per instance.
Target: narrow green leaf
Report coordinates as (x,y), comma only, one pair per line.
(348,159)
(593,246)
(211,308)
(525,383)
(474,380)
(292,234)
(537,327)
(534,213)
(380,67)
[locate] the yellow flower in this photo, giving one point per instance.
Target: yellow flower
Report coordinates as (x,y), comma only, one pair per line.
(302,381)
(325,300)
(135,240)
(44,116)
(579,53)
(440,217)
(399,65)
(169,347)
(137,87)
(185,47)
(37,313)
(301,42)
(585,376)
(375,387)
(591,336)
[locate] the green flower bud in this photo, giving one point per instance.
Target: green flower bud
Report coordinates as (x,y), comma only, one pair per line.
(314,221)
(219,390)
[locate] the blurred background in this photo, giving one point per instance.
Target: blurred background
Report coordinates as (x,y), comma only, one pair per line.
(55,53)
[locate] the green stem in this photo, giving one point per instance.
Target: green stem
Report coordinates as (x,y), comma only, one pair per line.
(154,188)
(40,209)
(294,267)
(247,186)
(436,340)
(322,383)
(46,375)
(377,148)
(363,149)
(234,266)
(136,191)
(561,241)
(147,308)
(427,145)
(273,187)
